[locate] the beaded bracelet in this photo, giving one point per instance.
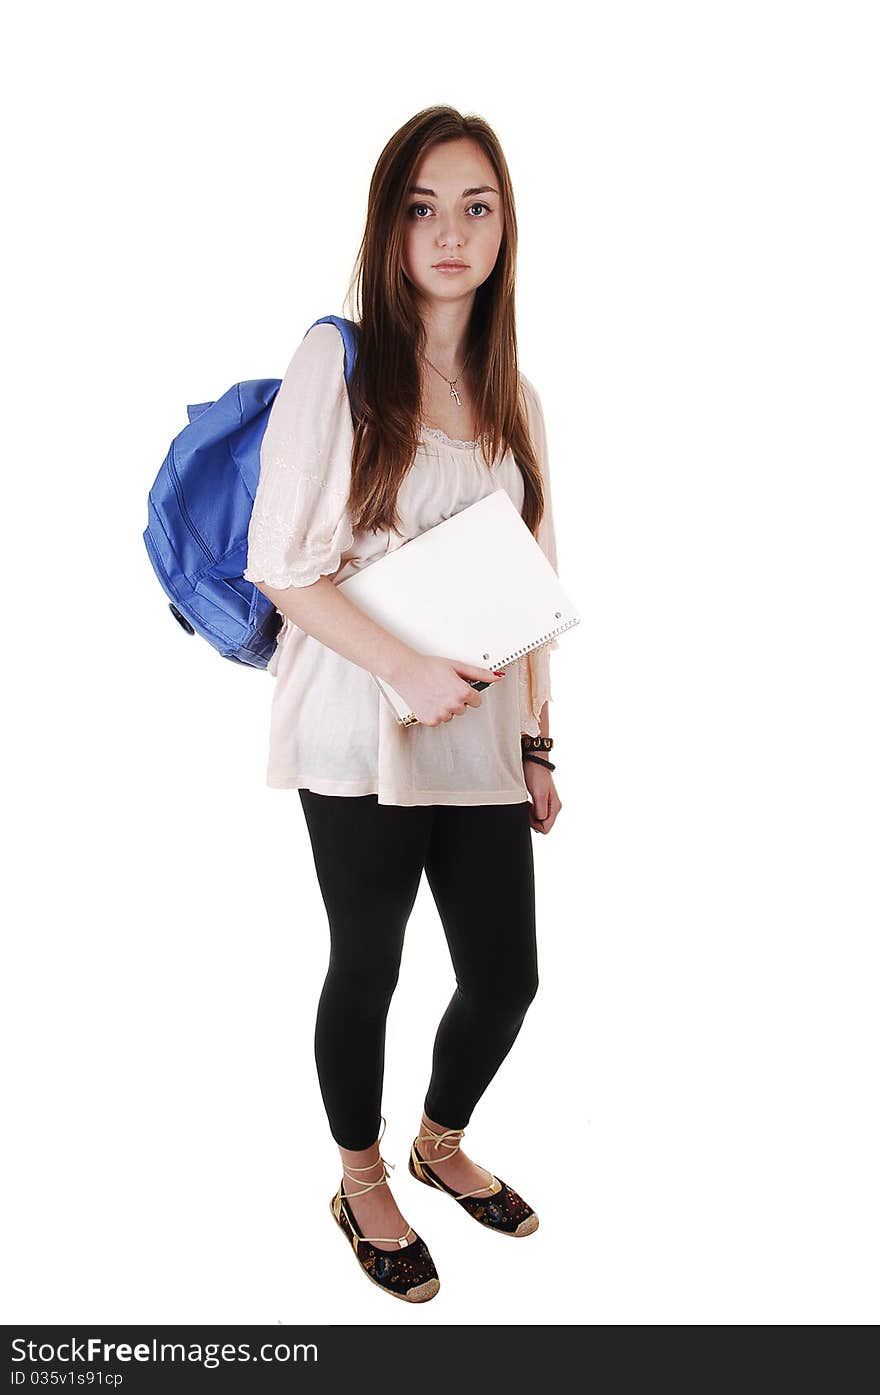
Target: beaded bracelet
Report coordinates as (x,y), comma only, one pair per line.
(531,744)
(536,743)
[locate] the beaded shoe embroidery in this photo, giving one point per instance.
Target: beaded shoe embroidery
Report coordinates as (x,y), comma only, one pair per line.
(407,1272)
(503,1210)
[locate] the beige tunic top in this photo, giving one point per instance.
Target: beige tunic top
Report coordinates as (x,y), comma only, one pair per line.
(331,730)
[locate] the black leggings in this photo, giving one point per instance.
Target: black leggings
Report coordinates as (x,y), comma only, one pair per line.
(369,859)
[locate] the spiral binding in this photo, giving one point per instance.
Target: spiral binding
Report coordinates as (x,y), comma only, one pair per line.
(536,644)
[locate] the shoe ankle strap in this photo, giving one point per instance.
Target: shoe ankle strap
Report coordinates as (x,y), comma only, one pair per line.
(368,1186)
(449,1138)
(403,1240)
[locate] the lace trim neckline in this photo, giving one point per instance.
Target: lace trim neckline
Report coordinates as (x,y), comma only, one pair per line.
(439,435)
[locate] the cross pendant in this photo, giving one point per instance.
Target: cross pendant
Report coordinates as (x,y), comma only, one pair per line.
(453,392)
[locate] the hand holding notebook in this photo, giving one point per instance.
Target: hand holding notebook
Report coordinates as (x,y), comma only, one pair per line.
(476,587)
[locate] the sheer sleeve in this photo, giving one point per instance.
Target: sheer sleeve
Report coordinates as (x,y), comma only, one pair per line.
(300,525)
(534,672)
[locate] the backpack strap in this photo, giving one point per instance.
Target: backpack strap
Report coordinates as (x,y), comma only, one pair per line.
(350,338)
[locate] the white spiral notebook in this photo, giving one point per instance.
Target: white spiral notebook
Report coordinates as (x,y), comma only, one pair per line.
(476,587)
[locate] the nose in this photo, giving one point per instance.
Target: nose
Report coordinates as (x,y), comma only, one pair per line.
(451,234)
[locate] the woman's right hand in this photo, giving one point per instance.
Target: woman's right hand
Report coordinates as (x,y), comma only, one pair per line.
(437,688)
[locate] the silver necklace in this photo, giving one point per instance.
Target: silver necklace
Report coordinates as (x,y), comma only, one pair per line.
(453,390)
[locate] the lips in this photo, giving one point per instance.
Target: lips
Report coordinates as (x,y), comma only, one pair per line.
(451,266)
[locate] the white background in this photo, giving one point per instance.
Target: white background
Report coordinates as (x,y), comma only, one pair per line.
(691,1104)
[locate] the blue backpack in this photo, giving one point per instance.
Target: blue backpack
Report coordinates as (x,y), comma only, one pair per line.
(199,511)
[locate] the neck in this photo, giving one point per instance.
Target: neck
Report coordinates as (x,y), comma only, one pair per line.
(446,334)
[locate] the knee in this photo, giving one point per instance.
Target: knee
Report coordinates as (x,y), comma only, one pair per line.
(367,988)
(527,992)
(523,990)
(510,999)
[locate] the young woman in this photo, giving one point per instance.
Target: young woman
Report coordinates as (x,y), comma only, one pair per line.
(443,417)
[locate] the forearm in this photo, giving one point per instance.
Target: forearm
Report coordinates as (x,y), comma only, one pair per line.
(321,610)
(543,721)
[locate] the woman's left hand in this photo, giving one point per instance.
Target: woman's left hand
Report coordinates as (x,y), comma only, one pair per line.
(545,803)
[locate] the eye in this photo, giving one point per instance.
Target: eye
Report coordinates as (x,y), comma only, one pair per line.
(414,206)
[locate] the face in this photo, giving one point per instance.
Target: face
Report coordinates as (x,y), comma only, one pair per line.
(453,213)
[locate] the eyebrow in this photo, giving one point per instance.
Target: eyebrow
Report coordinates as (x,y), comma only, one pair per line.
(466,193)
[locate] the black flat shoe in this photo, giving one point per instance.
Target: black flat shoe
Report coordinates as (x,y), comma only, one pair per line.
(503,1211)
(407,1272)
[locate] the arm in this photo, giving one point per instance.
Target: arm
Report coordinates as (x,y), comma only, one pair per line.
(535,672)
(543,722)
(324,612)
(535,677)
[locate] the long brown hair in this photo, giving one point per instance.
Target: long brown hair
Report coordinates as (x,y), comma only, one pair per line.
(386,386)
